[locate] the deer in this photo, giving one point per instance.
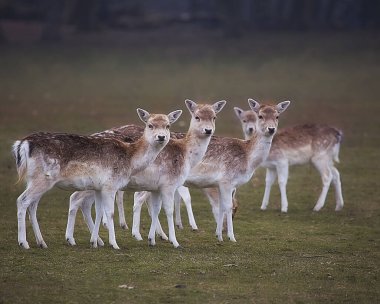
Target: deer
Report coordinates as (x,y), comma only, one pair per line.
(298,145)
(168,171)
(230,163)
(76,162)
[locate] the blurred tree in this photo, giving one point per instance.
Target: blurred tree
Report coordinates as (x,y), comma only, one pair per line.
(86,14)
(231,12)
(52,29)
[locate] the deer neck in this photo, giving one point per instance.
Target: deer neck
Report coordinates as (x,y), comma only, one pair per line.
(196,147)
(258,147)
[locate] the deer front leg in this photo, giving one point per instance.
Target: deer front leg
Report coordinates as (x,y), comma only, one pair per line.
(168,203)
(269,180)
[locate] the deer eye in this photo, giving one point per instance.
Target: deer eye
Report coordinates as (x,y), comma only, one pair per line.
(261,117)
(244,121)
(214,118)
(276,117)
(150,127)
(197,118)
(168,126)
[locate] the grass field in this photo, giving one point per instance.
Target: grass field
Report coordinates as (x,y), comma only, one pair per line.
(300,257)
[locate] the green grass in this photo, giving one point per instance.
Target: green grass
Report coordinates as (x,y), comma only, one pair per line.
(300,257)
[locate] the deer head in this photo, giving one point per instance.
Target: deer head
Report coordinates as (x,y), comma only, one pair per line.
(203,117)
(157,125)
(267,115)
(248,120)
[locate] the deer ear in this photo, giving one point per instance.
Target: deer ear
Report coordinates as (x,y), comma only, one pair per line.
(218,106)
(282,106)
(238,112)
(144,115)
(254,105)
(191,105)
(173,116)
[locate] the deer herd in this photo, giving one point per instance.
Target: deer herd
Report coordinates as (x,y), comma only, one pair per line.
(160,166)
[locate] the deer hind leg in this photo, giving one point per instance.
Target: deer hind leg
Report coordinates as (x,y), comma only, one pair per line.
(159,231)
(177,204)
(156,207)
(324,169)
(338,189)
(36,228)
(104,201)
(138,200)
(214,202)
(120,208)
(185,194)
(225,208)
(283,174)
(30,199)
(108,202)
(269,180)
(86,205)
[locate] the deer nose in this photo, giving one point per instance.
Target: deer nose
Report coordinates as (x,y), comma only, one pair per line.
(161,137)
(271,130)
(208,131)
(250,130)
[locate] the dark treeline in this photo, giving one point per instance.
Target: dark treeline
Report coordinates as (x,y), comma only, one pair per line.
(233,16)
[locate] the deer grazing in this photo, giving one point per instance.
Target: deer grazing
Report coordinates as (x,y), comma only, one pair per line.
(318,144)
(168,171)
(70,161)
(231,162)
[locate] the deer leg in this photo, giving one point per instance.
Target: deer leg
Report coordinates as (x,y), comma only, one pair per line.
(120,208)
(167,197)
(326,176)
(159,229)
(177,204)
(269,180)
(108,201)
(138,201)
(36,228)
(185,194)
(283,174)
(31,196)
(156,207)
(75,203)
(225,194)
(214,204)
(338,189)
(86,205)
(98,219)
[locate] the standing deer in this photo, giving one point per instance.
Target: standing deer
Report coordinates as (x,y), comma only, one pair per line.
(230,163)
(318,144)
(77,162)
(168,171)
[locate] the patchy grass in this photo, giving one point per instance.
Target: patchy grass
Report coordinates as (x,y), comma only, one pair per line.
(301,257)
